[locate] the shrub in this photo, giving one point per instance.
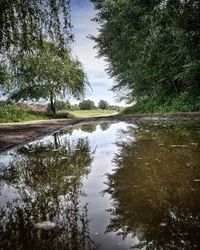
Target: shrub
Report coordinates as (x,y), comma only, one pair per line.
(86,105)
(103,104)
(74,107)
(60,105)
(11,113)
(184,102)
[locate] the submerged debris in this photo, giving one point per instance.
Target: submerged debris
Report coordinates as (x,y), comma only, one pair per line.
(63,157)
(163,224)
(45,225)
(32,151)
(55,150)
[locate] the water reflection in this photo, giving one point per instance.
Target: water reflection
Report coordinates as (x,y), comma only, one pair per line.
(47,182)
(104,126)
(86,127)
(152,190)
(155,187)
(92,127)
(89,128)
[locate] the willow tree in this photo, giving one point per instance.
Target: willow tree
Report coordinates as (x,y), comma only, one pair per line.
(30,67)
(48,74)
(23,20)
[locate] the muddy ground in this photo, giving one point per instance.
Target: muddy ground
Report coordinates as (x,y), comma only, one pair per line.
(12,134)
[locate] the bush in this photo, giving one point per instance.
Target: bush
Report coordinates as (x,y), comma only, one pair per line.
(60,105)
(103,104)
(184,102)
(86,105)
(63,105)
(74,107)
(10,113)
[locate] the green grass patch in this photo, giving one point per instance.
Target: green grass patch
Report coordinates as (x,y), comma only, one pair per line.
(91,113)
(11,113)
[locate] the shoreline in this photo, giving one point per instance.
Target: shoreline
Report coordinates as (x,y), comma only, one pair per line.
(13,134)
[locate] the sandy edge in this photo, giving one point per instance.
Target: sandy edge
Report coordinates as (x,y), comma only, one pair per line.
(12,134)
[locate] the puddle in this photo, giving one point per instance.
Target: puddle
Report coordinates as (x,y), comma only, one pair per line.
(103,186)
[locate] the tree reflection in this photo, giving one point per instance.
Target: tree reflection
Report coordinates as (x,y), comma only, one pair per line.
(48,181)
(89,128)
(155,187)
(86,127)
(104,125)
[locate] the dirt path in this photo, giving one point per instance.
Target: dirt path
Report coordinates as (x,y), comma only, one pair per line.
(12,134)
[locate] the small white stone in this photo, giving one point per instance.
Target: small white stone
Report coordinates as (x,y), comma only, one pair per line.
(163,224)
(45,225)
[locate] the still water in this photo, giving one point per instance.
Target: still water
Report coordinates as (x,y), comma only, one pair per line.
(103,186)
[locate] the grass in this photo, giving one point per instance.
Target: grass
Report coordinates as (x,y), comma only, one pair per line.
(11,113)
(91,113)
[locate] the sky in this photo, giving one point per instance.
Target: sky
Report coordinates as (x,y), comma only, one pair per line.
(82,11)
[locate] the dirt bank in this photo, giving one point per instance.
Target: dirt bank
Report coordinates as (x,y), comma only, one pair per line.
(12,134)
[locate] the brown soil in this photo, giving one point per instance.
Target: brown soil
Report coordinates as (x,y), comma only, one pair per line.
(12,134)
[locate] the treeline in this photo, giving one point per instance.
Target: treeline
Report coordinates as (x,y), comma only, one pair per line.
(153,52)
(83,105)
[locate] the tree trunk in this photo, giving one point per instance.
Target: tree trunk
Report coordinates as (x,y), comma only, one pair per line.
(56,140)
(52,103)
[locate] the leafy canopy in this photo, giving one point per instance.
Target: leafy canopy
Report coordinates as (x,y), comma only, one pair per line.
(152,47)
(23,20)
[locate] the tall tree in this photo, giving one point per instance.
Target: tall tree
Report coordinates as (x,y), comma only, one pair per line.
(151,47)
(24,23)
(48,74)
(103,104)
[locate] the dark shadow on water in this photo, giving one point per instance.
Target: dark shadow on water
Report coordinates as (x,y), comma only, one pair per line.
(155,187)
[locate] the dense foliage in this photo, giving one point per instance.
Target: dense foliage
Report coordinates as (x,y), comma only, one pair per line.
(24,20)
(86,105)
(103,104)
(61,105)
(24,23)
(153,51)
